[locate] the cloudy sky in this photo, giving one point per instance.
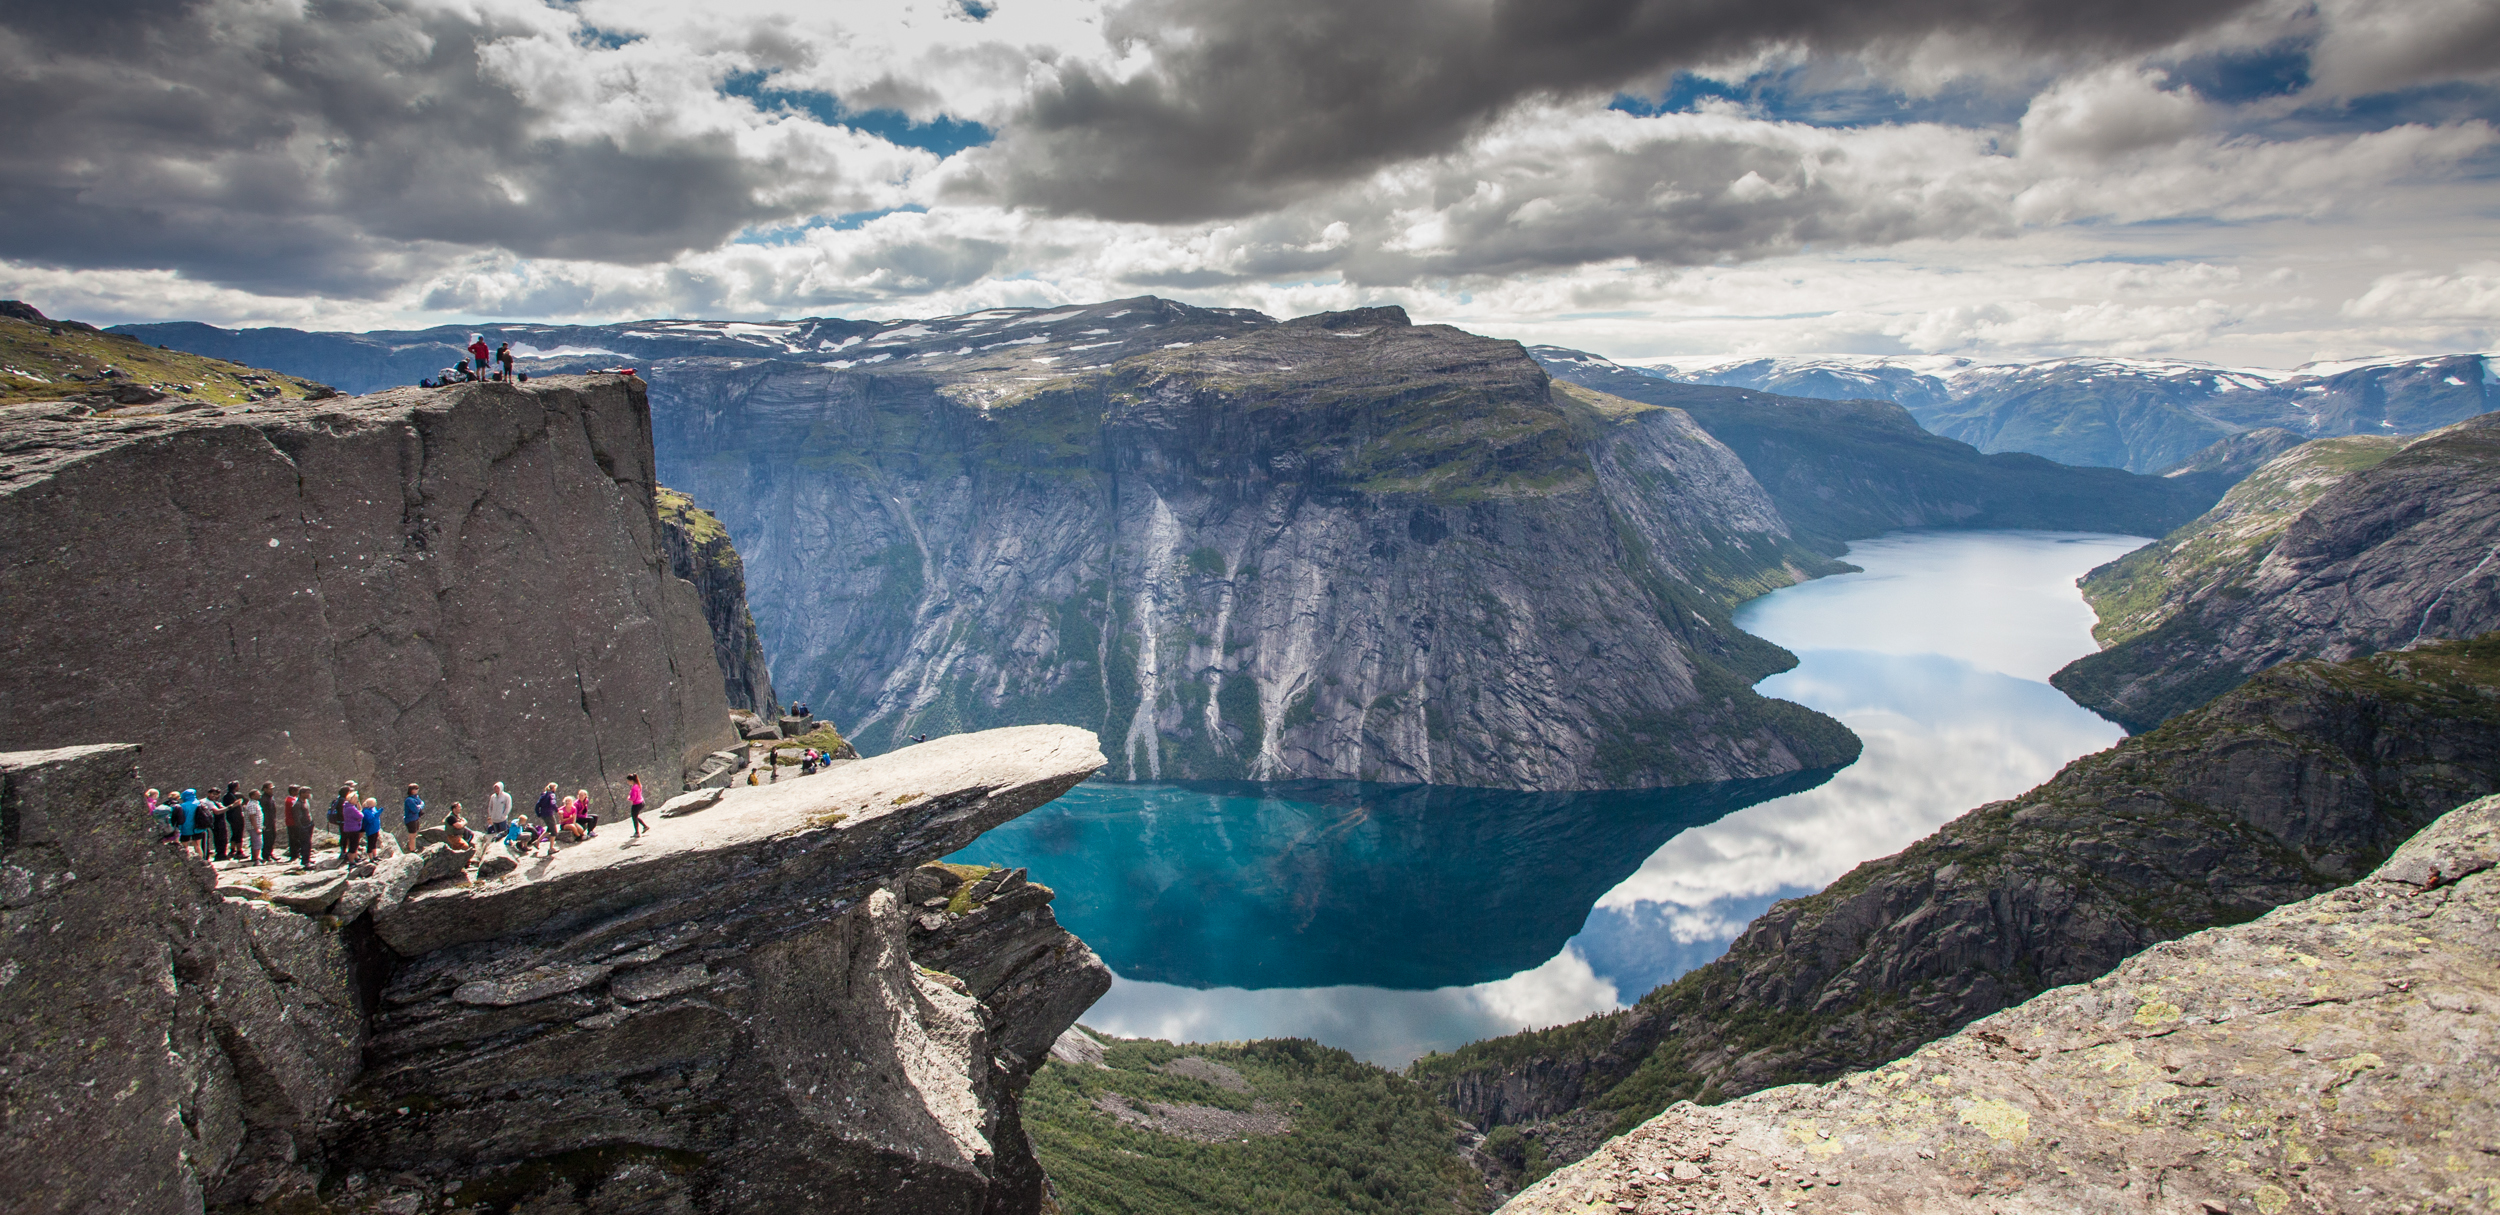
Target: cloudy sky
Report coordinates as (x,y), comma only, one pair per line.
(2247,181)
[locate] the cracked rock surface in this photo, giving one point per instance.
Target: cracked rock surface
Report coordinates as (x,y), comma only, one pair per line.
(452,586)
(733,1012)
(2337,1054)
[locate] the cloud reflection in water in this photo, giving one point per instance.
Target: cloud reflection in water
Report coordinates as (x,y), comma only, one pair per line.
(1934,656)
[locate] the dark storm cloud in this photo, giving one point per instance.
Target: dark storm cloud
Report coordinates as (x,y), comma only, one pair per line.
(256,146)
(1245,104)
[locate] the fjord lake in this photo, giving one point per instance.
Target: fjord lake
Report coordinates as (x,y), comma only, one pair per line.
(1392,920)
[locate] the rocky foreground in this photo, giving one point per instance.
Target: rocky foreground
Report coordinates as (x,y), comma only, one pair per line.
(2338,1054)
(771,1001)
(2300,781)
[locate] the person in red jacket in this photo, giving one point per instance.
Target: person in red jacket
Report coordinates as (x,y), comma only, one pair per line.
(478,353)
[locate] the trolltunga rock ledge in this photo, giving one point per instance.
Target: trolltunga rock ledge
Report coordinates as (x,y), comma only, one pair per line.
(2336,1054)
(734,1013)
(856,825)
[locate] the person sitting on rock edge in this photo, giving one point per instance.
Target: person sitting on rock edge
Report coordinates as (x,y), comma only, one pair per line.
(462,841)
(581,811)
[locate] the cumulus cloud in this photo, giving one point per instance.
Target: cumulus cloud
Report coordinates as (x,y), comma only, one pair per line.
(1223,109)
(1952,175)
(2471,294)
(331,147)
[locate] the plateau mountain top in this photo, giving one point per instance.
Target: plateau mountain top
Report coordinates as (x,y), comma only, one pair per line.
(2143,415)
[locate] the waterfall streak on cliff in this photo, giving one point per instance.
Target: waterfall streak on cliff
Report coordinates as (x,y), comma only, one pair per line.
(1159,590)
(2462,579)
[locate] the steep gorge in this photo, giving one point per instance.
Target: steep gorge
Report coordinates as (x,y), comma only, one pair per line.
(1343,546)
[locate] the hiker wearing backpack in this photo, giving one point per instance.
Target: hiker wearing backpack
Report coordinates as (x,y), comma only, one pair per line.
(299,825)
(351,820)
(503,355)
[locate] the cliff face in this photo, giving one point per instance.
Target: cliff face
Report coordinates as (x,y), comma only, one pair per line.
(1843,470)
(1339,547)
(2146,588)
(2330,1056)
(699,551)
(2403,550)
(2300,781)
(452,587)
(735,1012)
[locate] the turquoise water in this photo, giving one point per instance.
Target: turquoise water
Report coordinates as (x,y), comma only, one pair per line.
(1391,920)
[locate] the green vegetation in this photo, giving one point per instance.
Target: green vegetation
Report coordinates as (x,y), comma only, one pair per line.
(1361,1139)
(2145,589)
(65,359)
(703,529)
(824,738)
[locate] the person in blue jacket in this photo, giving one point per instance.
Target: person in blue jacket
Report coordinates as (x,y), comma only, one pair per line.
(411,811)
(188,820)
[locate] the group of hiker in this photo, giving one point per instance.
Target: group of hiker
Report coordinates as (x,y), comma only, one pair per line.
(474,368)
(243,826)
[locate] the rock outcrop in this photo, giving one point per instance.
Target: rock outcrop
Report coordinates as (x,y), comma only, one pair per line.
(700,552)
(2400,549)
(2147,588)
(451,587)
(734,1011)
(2333,1055)
(160,1047)
(2302,780)
(1343,546)
(1843,470)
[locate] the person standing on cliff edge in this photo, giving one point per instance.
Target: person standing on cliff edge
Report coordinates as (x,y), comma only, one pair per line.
(503,356)
(478,353)
(498,810)
(299,824)
(633,801)
(411,811)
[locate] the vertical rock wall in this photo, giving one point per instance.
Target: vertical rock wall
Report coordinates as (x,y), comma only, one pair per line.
(699,551)
(452,587)
(1342,548)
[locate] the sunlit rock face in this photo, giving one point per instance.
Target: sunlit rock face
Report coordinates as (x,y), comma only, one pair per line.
(451,587)
(1341,547)
(2321,1056)
(2336,548)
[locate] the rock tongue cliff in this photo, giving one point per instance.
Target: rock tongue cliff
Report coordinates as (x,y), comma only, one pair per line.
(1338,547)
(452,587)
(699,551)
(734,1012)
(2300,781)
(2327,1057)
(2396,549)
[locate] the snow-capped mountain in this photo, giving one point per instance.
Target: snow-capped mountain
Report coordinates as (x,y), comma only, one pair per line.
(2139,414)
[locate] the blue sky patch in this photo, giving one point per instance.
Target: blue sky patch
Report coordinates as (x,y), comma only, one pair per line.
(942,135)
(1809,94)
(791,234)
